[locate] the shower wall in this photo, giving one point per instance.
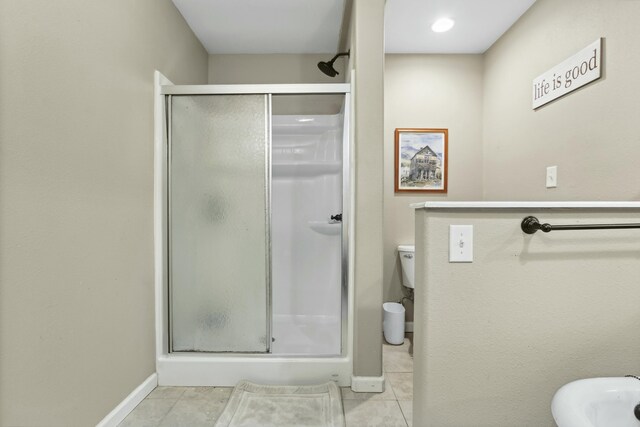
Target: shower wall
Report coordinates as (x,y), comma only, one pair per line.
(306,243)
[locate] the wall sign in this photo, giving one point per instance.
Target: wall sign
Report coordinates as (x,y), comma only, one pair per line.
(582,68)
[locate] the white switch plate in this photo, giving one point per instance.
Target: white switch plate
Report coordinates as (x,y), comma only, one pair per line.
(552,177)
(461,243)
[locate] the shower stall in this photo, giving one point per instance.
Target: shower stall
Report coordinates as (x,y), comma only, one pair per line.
(252,218)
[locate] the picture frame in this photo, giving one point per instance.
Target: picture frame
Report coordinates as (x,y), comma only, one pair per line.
(421,160)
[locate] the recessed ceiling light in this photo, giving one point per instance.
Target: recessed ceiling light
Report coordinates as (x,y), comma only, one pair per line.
(442,25)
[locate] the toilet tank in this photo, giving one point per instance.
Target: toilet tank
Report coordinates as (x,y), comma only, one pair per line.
(407,259)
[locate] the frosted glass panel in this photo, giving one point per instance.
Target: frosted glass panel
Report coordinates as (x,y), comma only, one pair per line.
(218,223)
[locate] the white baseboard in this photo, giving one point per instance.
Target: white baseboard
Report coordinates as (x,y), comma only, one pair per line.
(125,407)
(408,326)
(367,384)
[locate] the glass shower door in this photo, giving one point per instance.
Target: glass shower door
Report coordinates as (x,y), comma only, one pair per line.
(219,223)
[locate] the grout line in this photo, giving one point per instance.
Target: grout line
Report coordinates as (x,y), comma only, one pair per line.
(387,381)
(344,414)
(171,409)
(183,393)
(403,416)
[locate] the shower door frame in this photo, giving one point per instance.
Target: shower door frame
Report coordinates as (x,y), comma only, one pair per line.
(200,368)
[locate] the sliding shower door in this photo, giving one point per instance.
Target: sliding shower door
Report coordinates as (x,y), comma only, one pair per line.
(219,223)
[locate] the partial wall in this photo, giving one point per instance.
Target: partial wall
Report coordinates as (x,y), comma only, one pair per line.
(592,134)
(429,91)
(272,68)
(497,337)
(76,200)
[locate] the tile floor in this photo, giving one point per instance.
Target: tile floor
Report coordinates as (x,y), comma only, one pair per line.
(201,406)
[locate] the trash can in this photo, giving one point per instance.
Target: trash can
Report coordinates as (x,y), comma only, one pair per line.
(393,323)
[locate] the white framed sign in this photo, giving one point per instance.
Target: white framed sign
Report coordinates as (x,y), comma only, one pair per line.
(571,74)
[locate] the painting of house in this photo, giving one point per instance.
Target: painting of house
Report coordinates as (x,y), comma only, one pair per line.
(421,160)
(425,166)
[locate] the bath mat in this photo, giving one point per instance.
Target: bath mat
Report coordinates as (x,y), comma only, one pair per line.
(252,405)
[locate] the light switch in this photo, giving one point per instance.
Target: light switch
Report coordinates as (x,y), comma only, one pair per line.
(461,243)
(552,177)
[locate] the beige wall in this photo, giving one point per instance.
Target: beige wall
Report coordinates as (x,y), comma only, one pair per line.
(429,91)
(500,335)
(497,337)
(76,200)
(281,69)
(367,59)
(272,68)
(591,134)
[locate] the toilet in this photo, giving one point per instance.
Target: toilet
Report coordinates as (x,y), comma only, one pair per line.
(407,259)
(393,325)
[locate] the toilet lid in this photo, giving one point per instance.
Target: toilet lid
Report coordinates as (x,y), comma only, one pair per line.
(406,248)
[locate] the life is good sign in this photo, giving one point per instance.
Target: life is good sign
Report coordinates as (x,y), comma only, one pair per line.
(582,68)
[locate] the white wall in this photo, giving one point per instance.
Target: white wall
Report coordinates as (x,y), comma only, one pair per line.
(430,91)
(497,337)
(76,200)
(592,135)
(306,267)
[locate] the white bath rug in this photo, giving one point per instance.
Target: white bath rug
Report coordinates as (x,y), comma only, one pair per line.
(253,405)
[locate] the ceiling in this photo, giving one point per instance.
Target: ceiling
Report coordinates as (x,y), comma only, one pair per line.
(313,26)
(264,26)
(479,23)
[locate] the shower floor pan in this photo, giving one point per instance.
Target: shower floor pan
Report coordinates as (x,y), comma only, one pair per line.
(306,351)
(306,335)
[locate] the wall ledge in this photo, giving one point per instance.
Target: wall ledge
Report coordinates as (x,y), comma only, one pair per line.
(526,205)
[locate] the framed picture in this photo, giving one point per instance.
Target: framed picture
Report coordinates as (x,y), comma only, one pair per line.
(421,160)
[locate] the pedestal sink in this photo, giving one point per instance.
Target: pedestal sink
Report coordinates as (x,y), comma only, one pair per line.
(598,402)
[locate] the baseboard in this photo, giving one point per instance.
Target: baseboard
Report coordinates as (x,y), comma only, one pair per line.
(367,384)
(125,407)
(408,326)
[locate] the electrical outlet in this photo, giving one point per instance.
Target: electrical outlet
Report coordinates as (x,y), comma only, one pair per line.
(552,177)
(461,243)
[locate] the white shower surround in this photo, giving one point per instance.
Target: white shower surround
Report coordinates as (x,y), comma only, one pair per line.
(306,190)
(199,369)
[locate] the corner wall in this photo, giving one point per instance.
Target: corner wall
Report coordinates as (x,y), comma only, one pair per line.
(76,200)
(367,61)
(592,134)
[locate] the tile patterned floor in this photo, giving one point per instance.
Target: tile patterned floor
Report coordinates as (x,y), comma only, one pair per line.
(201,406)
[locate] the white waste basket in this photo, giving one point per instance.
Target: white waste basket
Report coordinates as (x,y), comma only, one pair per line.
(393,323)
